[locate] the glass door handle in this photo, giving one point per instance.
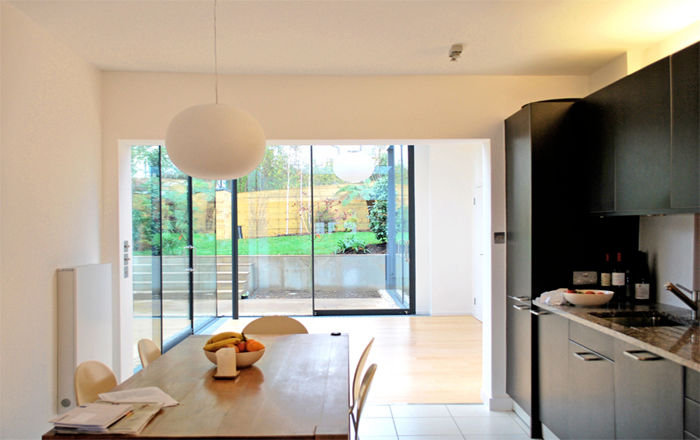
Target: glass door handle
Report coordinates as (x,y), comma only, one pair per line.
(194,254)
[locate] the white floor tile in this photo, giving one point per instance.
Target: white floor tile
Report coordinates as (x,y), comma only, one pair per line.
(377,427)
(479,425)
(401,411)
(378,437)
(496,437)
(430,437)
(475,410)
(520,422)
(375,411)
(426,426)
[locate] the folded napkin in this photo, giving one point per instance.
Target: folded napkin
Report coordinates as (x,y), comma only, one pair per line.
(553,297)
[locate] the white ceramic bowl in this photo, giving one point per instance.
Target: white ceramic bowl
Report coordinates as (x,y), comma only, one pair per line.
(597,298)
(245,359)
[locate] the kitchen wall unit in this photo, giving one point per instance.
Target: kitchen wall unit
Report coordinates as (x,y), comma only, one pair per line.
(536,187)
(640,138)
(685,123)
(628,126)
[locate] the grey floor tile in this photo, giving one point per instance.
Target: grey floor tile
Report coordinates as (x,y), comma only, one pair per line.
(426,426)
(402,411)
(376,411)
(481,425)
(377,427)
(475,410)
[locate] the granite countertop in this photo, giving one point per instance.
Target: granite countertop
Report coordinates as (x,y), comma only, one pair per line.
(680,344)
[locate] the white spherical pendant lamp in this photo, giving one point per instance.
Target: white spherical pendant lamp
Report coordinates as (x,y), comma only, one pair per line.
(353,167)
(215,142)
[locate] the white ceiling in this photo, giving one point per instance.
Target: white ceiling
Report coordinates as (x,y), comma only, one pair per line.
(354,37)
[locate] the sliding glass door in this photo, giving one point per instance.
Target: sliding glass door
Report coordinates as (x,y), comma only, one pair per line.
(362,204)
(176,262)
(325,229)
(176,266)
(274,243)
(315,229)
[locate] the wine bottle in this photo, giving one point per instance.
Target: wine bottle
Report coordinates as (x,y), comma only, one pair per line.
(606,273)
(642,291)
(618,279)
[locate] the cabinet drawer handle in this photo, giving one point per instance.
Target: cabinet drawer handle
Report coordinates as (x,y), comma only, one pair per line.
(520,298)
(587,356)
(521,307)
(641,355)
(539,312)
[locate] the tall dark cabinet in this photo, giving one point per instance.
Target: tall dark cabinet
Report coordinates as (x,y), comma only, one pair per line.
(538,196)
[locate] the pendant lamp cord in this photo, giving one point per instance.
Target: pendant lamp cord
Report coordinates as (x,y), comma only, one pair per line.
(216,61)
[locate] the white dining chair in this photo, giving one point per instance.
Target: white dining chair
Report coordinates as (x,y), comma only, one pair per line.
(362,398)
(148,351)
(92,378)
(275,325)
(357,381)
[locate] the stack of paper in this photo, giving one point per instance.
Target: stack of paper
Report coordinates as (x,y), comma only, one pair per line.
(134,421)
(147,394)
(93,417)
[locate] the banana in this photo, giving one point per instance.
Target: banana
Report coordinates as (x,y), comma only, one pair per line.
(224,335)
(218,344)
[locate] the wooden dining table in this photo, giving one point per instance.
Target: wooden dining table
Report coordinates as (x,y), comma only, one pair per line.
(297,390)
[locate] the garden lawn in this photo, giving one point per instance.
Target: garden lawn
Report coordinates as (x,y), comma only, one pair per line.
(324,244)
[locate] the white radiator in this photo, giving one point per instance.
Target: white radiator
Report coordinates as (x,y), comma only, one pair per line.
(84,323)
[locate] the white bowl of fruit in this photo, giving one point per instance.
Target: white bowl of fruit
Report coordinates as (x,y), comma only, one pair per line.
(588,297)
(248,351)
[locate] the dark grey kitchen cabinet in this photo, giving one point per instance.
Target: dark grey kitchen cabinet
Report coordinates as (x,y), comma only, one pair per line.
(553,351)
(518,355)
(648,395)
(626,131)
(685,134)
(537,151)
(692,404)
(642,152)
(591,398)
(601,127)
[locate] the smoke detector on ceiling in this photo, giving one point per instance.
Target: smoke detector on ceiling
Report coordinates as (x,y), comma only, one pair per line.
(455,51)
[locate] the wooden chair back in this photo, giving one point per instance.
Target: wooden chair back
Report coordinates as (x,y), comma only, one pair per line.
(364,391)
(356,382)
(275,325)
(148,351)
(92,378)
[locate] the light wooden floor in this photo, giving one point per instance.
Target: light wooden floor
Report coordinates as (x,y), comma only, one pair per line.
(421,359)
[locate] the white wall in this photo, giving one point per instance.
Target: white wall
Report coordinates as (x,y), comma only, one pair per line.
(668,240)
(140,106)
(50,208)
(638,57)
(446,226)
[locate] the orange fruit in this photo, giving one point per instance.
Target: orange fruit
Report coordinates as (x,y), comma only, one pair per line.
(254,345)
